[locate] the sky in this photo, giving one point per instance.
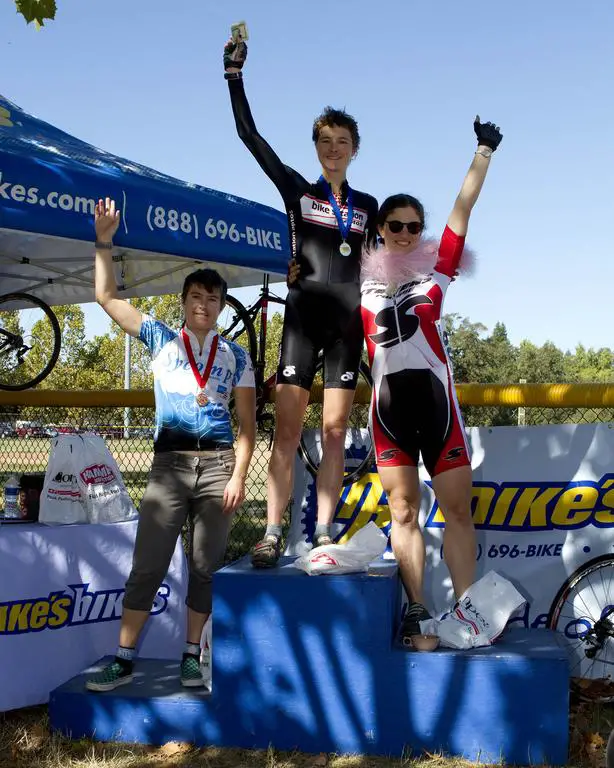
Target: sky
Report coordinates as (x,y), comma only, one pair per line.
(143,80)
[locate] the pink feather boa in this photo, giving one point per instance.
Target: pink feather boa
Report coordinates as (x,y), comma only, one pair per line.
(398,268)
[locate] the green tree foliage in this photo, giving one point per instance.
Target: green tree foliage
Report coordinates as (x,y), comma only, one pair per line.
(36,11)
(477,355)
(492,359)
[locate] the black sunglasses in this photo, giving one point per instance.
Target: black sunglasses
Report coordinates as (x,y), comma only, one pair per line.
(413,227)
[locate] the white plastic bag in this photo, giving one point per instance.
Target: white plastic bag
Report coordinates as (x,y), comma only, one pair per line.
(480,616)
(83,484)
(354,557)
(61,500)
(104,493)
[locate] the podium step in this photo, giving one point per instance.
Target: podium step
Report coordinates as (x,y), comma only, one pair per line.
(309,663)
(154,709)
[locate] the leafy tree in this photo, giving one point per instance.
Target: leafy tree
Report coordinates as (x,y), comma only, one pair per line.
(466,348)
(477,356)
(10,321)
(590,365)
(501,368)
(36,11)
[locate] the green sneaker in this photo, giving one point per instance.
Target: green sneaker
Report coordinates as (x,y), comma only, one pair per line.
(190,672)
(112,676)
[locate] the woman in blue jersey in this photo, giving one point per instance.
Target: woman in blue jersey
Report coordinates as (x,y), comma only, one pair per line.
(195,473)
(329,223)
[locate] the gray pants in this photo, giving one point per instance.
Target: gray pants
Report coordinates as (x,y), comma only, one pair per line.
(180,487)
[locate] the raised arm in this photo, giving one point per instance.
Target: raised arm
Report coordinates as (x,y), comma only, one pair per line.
(287,181)
(489,138)
(106,220)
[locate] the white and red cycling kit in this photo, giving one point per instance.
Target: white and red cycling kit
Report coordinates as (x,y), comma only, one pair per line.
(414,408)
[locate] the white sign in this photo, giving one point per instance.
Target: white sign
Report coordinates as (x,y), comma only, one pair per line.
(543,507)
(61,594)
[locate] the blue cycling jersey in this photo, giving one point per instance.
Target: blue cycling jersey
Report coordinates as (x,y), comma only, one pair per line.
(182,424)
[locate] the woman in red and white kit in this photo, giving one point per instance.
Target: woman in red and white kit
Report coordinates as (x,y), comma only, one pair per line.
(414,408)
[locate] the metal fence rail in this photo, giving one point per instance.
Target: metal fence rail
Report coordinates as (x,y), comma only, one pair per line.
(29,419)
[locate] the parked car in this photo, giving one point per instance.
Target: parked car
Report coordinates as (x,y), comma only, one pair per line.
(30,429)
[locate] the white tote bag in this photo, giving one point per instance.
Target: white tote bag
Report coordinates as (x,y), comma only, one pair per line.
(83,484)
(61,500)
(105,496)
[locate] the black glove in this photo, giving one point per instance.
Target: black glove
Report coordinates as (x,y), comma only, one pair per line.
(234,54)
(488,134)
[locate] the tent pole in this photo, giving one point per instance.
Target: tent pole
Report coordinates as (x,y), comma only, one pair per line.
(127,366)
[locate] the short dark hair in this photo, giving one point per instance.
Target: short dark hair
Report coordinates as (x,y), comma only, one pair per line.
(209,279)
(400,201)
(339,117)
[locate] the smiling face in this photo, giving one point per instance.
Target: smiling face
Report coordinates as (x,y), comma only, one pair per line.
(401,229)
(201,308)
(335,149)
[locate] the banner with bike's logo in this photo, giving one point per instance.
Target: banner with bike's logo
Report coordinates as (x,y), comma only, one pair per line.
(61,595)
(543,508)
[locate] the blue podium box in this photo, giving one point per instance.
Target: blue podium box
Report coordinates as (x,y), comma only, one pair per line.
(309,663)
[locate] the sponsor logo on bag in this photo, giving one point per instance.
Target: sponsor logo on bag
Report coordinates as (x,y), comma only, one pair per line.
(324,557)
(72,607)
(69,494)
(97,474)
(468,614)
(64,477)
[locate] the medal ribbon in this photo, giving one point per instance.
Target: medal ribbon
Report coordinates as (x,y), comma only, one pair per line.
(201,379)
(344,227)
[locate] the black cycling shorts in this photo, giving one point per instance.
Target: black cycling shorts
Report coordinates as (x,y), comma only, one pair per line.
(323,318)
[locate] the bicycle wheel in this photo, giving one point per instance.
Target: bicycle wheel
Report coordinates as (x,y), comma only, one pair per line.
(358,443)
(235,324)
(30,341)
(583,612)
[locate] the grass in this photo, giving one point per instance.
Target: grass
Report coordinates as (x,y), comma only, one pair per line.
(25,741)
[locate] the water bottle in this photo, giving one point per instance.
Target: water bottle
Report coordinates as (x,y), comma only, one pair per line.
(11,494)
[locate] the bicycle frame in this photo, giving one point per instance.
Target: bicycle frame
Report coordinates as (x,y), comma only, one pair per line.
(261,306)
(12,341)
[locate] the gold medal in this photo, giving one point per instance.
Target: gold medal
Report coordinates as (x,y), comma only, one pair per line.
(201,398)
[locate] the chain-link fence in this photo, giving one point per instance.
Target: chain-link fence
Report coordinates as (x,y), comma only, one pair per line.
(502,416)
(25,442)
(26,435)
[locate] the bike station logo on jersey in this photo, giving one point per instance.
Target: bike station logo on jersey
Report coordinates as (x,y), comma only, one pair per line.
(72,607)
(320,212)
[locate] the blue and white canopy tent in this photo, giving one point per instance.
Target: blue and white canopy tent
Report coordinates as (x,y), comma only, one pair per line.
(49,182)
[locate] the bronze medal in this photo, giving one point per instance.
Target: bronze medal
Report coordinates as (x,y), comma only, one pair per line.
(201,380)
